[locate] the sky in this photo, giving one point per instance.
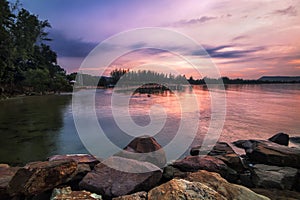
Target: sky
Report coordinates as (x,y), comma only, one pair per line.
(244,39)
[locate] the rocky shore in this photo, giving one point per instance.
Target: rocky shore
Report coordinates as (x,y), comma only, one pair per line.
(268,170)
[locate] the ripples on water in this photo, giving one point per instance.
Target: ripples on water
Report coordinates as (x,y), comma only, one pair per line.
(33,128)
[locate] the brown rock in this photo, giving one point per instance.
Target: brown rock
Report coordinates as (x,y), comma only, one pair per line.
(6,174)
(276,194)
(145,149)
(221,186)
(112,182)
(195,163)
(182,189)
(270,153)
(67,194)
(38,177)
(79,158)
(135,196)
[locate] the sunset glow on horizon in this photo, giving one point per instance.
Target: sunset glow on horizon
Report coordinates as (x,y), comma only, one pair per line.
(245,39)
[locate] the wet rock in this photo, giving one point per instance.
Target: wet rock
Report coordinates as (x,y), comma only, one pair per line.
(221,186)
(145,149)
(195,163)
(280,138)
(6,174)
(79,158)
(38,177)
(135,196)
(270,153)
(183,189)
(66,193)
(113,182)
(266,176)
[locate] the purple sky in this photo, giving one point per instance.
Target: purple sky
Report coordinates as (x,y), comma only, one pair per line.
(246,39)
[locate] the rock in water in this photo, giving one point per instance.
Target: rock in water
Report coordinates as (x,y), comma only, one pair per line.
(112,182)
(145,149)
(183,189)
(280,138)
(266,176)
(221,186)
(38,177)
(270,153)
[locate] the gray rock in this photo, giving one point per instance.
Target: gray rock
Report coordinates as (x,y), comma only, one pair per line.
(266,176)
(111,182)
(280,138)
(270,153)
(136,196)
(66,193)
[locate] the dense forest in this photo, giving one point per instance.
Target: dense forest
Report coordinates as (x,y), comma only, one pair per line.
(27,63)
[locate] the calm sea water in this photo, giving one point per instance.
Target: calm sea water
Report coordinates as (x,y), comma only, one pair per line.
(33,128)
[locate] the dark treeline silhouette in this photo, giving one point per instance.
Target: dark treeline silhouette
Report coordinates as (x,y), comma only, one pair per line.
(27,63)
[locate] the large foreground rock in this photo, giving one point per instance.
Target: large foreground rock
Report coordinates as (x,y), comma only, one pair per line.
(183,189)
(112,182)
(266,176)
(270,153)
(220,185)
(146,149)
(38,177)
(79,158)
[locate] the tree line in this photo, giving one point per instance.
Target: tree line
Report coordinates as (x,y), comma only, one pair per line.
(27,63)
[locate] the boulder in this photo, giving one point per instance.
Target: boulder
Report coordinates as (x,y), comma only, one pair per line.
(146,149)
(224,152)
(183,189)
(66,193)
(221,186)
(266,176)
(195,163)
(280,138)
(79,158)
(111,182)
(136,196)
(276,194)
(295,139)
(171,172)
(6,174)
(270,153)
(37,177)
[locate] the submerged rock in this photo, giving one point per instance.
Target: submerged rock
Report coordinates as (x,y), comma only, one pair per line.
(270,153)
(145,149)
(266,176)
(221,186)
(37,177)
(112,182)
(280,138)
(183,189)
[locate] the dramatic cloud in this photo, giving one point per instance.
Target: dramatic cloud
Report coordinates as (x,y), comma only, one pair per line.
(69,47)
(290,11)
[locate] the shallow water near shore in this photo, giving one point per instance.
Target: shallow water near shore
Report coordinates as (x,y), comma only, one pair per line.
(33,128)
